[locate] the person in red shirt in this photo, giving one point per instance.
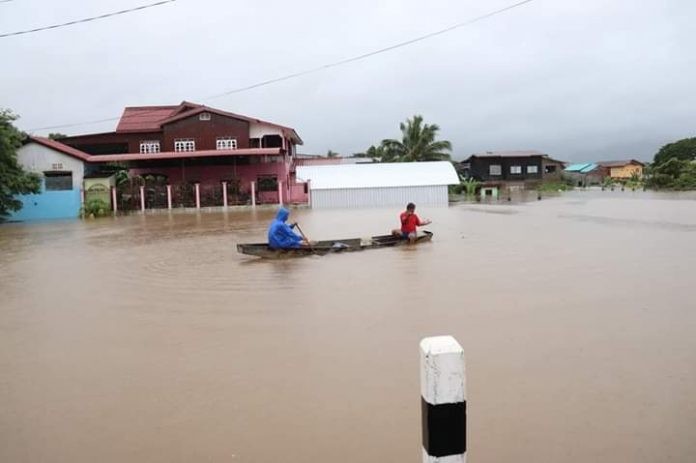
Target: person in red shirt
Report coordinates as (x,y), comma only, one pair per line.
(409,222)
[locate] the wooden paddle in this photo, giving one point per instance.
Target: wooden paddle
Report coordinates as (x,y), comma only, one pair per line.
(304,237)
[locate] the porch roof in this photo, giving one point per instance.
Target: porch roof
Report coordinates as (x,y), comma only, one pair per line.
(184,154)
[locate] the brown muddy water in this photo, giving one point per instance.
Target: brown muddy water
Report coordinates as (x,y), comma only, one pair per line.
(150,339)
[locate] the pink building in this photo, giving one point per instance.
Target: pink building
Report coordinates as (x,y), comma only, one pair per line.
(196,150)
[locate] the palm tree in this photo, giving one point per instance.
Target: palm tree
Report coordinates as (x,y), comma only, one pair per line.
(417,143)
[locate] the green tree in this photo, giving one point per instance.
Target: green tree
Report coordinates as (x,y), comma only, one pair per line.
(418,143)
(374,152)
(56,135)
(684,150)
(331,154)
(13,179)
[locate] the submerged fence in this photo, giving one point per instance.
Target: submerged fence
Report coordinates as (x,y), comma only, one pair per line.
(133,196)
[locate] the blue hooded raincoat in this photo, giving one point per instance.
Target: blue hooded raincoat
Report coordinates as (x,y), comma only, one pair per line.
(280,235)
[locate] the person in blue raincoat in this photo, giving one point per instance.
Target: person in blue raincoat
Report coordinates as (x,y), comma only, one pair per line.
(280,234)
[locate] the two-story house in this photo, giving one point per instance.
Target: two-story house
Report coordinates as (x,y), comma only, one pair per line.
(191,143)
(511,167)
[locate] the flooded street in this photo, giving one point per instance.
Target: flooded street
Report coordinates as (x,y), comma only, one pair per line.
(149,338)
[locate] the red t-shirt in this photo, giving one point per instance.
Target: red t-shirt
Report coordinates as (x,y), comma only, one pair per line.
(409,222)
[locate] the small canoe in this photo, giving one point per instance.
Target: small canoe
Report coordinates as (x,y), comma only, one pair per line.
(330,246)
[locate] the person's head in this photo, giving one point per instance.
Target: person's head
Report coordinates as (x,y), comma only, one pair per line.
(282,214)
(410,207)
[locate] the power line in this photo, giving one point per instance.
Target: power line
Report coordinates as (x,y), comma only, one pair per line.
(85,20)
(325,66)
(369,54)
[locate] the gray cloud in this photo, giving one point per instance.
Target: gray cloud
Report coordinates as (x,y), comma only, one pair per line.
(583,80)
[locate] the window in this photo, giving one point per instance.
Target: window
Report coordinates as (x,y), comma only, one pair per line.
(149,146)
(204,117)
(532,169)
(184,144)
(226,143)
(495,169)
(515,169)
(550,169)
(55,181)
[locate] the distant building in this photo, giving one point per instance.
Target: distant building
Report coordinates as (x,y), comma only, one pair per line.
(624,169)
(511,167)
(585,174)
(378,184)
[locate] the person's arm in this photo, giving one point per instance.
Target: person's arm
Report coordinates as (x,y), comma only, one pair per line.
(288,236)
(422,223)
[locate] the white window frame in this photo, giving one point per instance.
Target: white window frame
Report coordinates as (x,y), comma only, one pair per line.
(226,143)
(495,170)
(149,146)
(516,170)
(184,144)
(204,117)
(532,169)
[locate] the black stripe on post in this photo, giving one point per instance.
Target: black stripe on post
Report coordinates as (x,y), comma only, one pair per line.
(444,428)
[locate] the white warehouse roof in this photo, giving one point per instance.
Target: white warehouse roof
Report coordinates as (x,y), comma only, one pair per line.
(376,175)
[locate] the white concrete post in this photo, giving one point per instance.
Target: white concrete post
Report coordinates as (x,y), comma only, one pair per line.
(280,192)
(443,400)
(169,196)
(142,198)
(309,193)
(224,194)
(114,204)
(82,197)
(198,195)
(253,194)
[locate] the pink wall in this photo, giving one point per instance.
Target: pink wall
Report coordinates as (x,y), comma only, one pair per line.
(213,175)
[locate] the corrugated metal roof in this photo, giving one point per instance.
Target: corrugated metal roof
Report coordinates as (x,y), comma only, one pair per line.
(581,168)
(620,163)
(58,146)
(508,154)
(379,175)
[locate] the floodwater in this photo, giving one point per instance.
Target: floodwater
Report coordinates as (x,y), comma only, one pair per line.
(148,338)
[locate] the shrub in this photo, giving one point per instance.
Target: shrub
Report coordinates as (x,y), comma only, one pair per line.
(95,208)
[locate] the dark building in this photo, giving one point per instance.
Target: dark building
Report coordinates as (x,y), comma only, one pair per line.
(511,166)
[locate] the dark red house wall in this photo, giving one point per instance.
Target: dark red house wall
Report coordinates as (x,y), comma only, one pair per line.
(88,143)
(205,132)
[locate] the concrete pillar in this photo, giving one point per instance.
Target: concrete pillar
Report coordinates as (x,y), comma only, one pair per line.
(114,204)
(309,193)
(198,195)
(253,194)
(280,192)
(142,198)
(443,400)
(82,197)
(169,196)
(224,194)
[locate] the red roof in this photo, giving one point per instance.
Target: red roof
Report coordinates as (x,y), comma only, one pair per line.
(152,118)
(63,148)
(144,118)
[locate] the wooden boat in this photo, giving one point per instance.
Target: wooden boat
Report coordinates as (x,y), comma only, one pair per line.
(330,246)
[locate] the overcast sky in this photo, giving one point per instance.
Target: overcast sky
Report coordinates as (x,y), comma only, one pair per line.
(580,80)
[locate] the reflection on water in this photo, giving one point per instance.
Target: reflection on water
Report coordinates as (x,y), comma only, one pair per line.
(150,339)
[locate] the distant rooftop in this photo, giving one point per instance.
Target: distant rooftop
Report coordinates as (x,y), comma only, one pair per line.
(508,154)
(621,163)
(582,168)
